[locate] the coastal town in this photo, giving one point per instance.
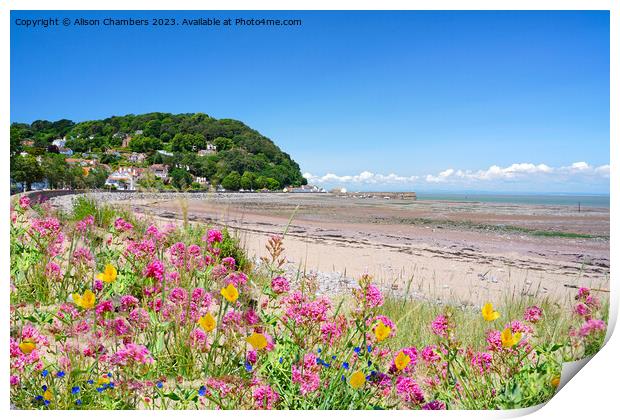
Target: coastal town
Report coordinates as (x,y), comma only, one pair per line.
(155,151)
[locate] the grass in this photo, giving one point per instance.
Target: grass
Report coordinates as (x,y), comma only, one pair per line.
(297,341)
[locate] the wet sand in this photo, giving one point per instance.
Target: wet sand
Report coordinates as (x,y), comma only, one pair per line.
(467,252)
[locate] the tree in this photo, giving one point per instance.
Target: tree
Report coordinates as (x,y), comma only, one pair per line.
(222,143)
(26,169)
(55,170)
(143,144)
(232,181)
(247,180)
(272,184)
(181,179)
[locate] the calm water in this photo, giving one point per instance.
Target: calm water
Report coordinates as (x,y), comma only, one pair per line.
(551,199)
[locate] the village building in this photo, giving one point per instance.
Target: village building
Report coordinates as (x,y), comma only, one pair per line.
(60,143)
(137,157)
(124,178)
(159,170)
(65,151)
(210,149)
(304,189)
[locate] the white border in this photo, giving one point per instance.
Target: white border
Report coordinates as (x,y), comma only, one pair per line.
(592,393)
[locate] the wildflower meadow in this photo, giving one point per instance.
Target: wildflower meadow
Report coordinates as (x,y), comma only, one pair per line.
(114,311)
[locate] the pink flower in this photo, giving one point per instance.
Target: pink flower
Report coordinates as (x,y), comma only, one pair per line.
(52,271)
(494,340)
(264,397)
(533,314)
(82,256)
(132,353)
(408,390)
(237,278)
(583,293)
(251,356)
(14,378)
(229,262)
(592,326)
(122,225)
(482,362)
(434,405)
(307,376)
(430,354)
(105,306)
(370,297)
(440,326)
(139,318)
(128,302)
(280,285)
(121,327)
(24,203)
(582,309)
(198,338)
(213,236)
(154,270)
(332,331)
(251,317)
(83,225)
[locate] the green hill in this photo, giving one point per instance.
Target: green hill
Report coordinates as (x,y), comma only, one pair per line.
(223,151)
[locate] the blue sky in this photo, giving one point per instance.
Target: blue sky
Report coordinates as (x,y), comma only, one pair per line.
(497,101)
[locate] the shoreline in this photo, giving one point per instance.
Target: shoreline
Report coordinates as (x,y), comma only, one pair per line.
(337,237)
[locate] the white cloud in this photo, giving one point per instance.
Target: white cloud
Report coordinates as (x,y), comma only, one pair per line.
(516,171)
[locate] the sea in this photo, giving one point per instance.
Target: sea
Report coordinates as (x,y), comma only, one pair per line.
(586,200)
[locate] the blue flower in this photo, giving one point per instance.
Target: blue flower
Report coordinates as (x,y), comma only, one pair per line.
(159,384)
(111,385)
(202,391)
(319,350)
(333,357)
(248,366)
(369,363)
(357,350)
(343,378)
(75,389)
(90,382)
(61,374)
(345,365)
(78,402)
(46,402)
(109,374)
(44,387)
(369,348)
(44,373)
(280,360)
(100,389)
(38,397)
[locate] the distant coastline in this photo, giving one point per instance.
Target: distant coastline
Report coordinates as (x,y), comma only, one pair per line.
(589,200)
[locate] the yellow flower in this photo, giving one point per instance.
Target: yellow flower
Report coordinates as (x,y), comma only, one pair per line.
(382,331)
(257,340)
(509,339)
(207,322)
(488,313)
(27,346)
(86,301)
(357,379)
(402,360)
(47,395)
(108,275)
(103,380)
(230,293)
(555,382)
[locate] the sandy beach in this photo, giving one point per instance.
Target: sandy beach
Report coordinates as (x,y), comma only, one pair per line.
(451,251)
